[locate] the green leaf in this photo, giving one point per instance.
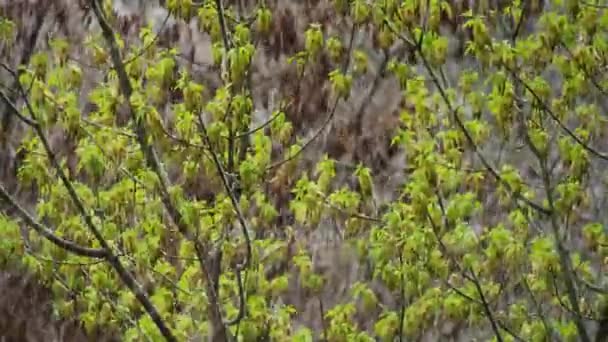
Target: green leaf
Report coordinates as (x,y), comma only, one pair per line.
(303,335)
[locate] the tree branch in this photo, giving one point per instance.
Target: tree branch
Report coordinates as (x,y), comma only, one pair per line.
(49,234)
(564,256)
(553,116)
(332,113)
(486,307)
(462,127)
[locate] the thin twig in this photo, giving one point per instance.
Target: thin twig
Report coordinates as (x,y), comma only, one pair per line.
(555,118)
(147,46)
(331,115)
(464,130)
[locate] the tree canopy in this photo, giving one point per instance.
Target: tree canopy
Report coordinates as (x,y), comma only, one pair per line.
(343,170)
